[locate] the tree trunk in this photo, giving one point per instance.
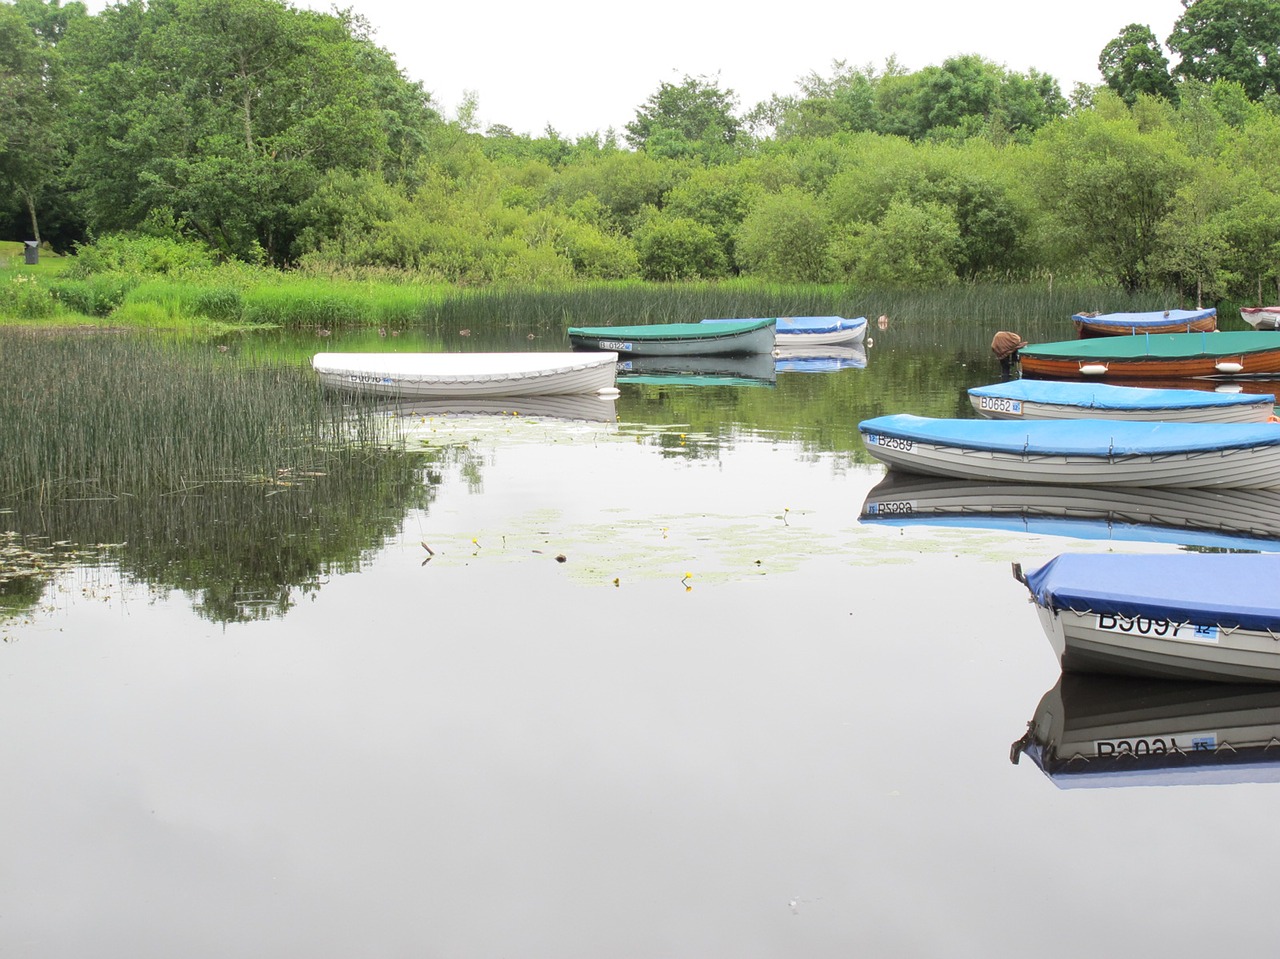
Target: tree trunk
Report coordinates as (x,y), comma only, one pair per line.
(31,209)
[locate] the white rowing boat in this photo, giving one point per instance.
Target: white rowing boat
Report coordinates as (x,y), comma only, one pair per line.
(466,375)
(1261,317)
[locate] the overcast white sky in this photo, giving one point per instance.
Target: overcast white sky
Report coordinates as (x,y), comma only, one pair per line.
(583,66)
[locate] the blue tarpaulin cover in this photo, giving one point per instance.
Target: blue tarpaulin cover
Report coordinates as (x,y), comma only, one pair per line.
(1100,396)
(1139,321)
(1087,437)
(818,324)
(808,324)
(1232,590)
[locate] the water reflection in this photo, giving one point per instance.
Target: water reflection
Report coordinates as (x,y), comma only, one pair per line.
(238,484)
(1221,519)
(1251,385)
(1097,731)
(242,550)
(754,370)
(820,359)
(587,407)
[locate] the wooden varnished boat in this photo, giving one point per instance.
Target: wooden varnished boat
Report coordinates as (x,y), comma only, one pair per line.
(1154,321)
(1158,355)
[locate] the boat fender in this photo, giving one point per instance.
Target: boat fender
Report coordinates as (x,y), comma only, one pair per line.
(1093,369)
(1228,367)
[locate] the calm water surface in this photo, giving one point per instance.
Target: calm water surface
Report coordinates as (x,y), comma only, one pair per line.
(639,686)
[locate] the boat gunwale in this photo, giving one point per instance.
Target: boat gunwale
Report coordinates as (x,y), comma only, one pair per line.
(639,332)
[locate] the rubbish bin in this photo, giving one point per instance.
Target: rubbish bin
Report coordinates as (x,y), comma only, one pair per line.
(32,252)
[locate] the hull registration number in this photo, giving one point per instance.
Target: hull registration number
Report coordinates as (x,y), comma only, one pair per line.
(892,508)
(890,442)
(1159,628)
(617,346)
(1000,404)
(1156,745)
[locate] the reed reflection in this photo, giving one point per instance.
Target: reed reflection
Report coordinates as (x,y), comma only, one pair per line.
(237,484)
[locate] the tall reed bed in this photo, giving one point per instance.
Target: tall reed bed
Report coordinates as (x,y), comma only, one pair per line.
(310,302)
(262,299)
(980,308)
(240,483)
(118,415)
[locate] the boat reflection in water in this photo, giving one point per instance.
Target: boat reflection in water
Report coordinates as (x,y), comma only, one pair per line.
(819,359)
(589,407)
(753,370)
(1098,731)
(1222,519)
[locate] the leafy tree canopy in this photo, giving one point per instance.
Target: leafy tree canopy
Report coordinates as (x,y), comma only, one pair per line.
(228,112)
(1236,40)
(1134,63)
(694,118)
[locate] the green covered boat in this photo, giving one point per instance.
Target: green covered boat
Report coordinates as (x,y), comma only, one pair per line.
(1160,355)
(731,338)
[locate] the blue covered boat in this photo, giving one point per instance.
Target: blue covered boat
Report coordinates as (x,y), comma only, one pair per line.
(805,332)
(1179,616)
(1054,400)
(1154,321)
(1088,452)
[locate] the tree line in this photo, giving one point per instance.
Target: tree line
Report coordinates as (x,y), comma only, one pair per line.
(290,138)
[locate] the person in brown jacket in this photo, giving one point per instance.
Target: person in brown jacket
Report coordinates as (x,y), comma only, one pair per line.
(1005,346)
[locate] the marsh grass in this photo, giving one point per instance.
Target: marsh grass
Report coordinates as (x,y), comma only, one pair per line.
(229,297)
(983,307)
(110,415)
(308,302)
(238,482)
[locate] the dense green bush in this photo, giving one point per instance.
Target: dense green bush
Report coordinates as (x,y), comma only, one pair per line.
(99,295)
(27,298)
(124,253)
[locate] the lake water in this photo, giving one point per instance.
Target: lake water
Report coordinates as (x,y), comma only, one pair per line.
(647,685)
